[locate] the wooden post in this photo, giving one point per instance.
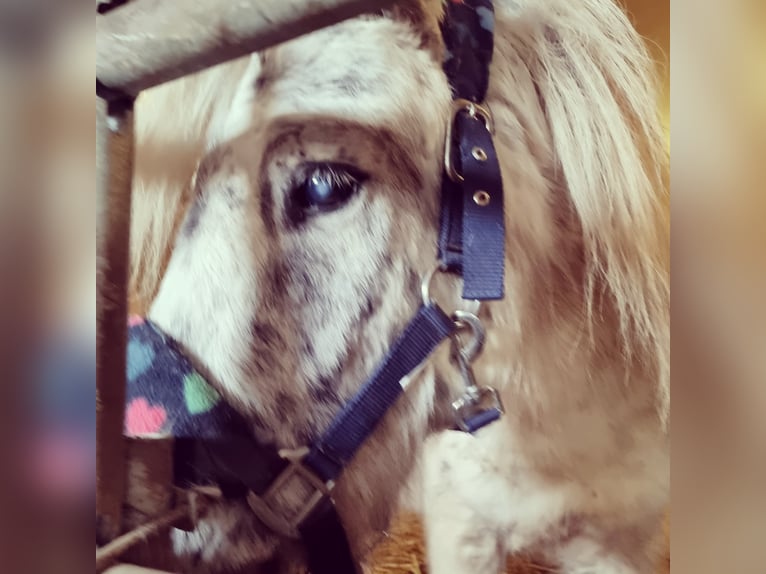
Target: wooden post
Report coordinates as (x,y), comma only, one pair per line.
(114,164)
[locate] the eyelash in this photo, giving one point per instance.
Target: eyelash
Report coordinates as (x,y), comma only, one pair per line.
(338,182)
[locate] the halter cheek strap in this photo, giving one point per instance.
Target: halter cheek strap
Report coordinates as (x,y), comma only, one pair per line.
(472,236)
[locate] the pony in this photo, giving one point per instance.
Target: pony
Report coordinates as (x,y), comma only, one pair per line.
(285,210)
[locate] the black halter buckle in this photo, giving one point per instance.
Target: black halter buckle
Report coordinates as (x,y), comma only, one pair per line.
(292,497)
(477,112)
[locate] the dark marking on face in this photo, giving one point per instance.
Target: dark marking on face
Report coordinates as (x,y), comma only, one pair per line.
(234,199)
(323,392)
(267,206)
(291,135)
(308,351)
(351,85)
(262,364)
(265,335)
(554,40)
(413,281)
(279,275)
(266,342)
(261,82)
(293,216)
(267,73)
(193,216)
(286,405)
(327,383)
(368,309)
(302,286)
(209,166)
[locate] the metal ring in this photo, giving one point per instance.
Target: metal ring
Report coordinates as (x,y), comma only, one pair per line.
(425,284)
(425,287)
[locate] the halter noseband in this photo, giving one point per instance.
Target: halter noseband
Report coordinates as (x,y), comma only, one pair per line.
(213,444)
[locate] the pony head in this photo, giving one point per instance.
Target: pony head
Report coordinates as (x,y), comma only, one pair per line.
(287,207)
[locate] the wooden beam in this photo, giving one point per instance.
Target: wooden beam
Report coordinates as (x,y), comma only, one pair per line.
(148,42)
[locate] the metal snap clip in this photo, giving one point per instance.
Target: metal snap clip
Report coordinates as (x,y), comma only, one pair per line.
(478,406)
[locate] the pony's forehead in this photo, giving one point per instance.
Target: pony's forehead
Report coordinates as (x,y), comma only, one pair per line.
(367,68)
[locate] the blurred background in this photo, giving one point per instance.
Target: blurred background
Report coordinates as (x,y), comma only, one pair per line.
(652,19)
(718,206)
(47,287)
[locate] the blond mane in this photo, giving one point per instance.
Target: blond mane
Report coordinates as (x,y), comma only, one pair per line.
(597,83)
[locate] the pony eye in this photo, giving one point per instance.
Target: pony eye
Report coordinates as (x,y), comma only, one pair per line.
(327,187)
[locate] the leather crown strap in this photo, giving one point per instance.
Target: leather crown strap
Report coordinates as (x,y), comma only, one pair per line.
(213,443)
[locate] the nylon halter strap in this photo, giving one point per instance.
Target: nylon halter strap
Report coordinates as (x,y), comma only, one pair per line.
(472,237)
(291,492)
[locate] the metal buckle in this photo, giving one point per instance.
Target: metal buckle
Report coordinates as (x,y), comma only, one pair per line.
(295,493)
(476,111)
